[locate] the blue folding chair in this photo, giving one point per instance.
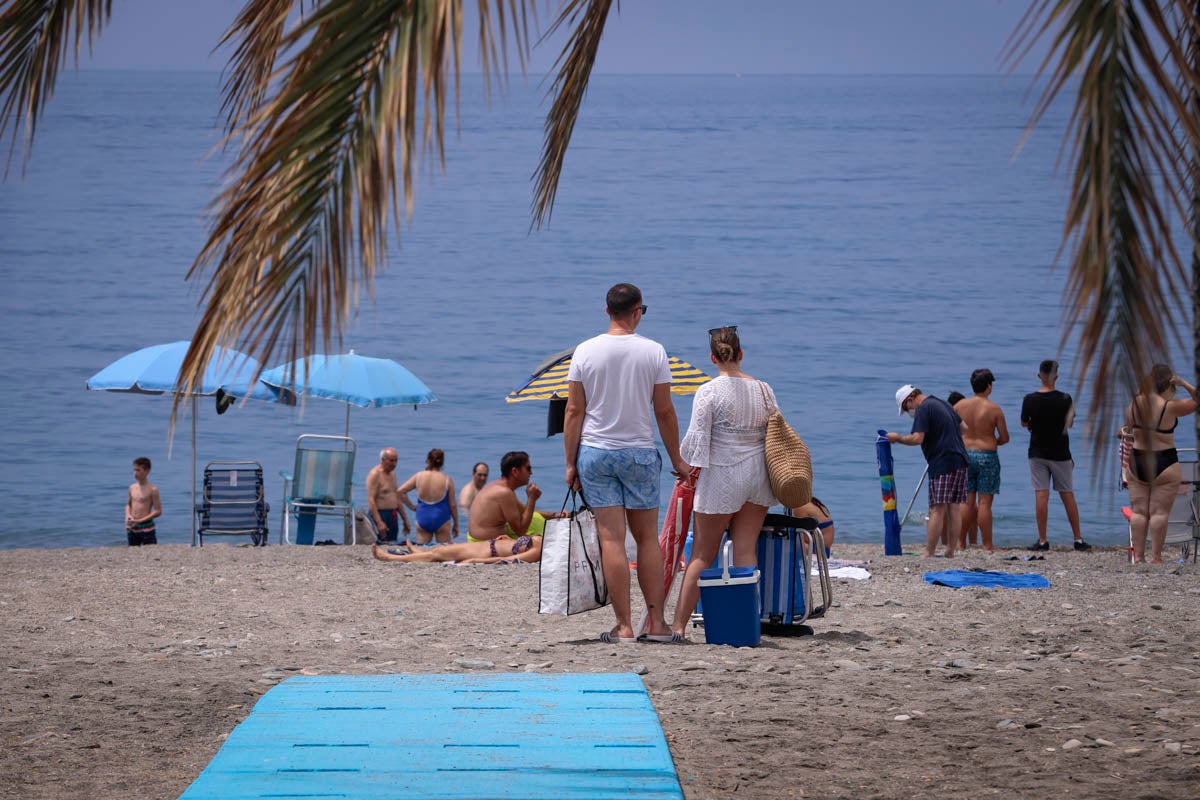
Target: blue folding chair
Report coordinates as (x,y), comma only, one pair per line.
(320,485)
(232,502)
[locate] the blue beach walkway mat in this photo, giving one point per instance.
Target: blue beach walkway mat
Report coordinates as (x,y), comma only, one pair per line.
(446,737)
(958,578)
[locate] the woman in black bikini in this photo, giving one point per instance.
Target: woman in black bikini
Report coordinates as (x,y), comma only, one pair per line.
(1154,472)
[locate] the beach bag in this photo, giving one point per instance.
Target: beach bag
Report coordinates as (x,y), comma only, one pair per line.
(789,464)
(571,577)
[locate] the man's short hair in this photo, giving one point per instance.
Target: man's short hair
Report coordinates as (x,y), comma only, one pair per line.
(622,298)
(383,453)
(142,462)
(981,379)
(478,464)
(514,459)
(1047,368)
(954,397)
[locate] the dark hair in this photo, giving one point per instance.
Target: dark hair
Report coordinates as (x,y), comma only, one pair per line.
(514,459)
(821,506)
(981,379)
(479,464)
(954,397)
(725,344)
(435,459)
(142,462)
(1158,379)
(1047,368)
(622,298)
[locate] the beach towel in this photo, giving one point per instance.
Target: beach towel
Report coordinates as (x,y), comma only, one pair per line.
(845,573)
(958,578)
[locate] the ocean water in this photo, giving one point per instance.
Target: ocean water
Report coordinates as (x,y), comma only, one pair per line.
(864,232)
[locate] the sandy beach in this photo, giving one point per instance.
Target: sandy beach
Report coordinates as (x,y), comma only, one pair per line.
(124,669)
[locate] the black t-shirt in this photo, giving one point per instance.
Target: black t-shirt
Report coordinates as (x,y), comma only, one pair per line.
(1046,415)
(943,445)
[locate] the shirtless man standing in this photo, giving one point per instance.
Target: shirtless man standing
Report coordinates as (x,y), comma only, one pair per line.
(383,499)
(985,431)
(497,512)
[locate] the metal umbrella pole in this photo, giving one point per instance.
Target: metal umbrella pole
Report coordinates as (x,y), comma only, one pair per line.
(193,470)
(904,518)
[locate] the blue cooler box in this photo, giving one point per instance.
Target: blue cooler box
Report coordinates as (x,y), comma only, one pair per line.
(730,600)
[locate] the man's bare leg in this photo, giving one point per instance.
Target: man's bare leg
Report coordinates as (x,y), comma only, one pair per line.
(610,523)
(970,517)
(985,521)
(934,529)
(1041,509)
(953,523)
(643,524)
(1072,509)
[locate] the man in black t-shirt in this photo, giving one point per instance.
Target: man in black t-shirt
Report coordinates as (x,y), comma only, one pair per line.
(938,429)
(1048,413)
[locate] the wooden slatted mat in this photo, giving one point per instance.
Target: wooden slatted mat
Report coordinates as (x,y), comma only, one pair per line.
(446,736)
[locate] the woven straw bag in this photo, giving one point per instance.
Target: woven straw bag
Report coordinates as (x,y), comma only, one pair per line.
(789,464)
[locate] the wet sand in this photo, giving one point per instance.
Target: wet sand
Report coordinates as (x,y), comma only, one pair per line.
(122,670)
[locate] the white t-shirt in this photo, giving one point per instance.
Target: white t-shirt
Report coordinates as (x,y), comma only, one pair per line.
(619,374)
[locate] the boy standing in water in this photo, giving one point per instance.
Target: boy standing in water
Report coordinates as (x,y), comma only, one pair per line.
(142,507)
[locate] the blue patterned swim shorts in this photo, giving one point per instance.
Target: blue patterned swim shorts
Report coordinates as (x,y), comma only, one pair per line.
(983,471)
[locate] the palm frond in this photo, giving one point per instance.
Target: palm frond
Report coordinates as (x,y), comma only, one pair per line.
(34,42)
(257,32)
(574,66)
(1129,138)
(304,219)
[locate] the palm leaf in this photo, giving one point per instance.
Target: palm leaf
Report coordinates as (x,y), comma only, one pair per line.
(305,215)
(1129,139)
(34,39)
(574,70)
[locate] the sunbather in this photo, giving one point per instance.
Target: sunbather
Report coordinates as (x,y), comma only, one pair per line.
(492,551)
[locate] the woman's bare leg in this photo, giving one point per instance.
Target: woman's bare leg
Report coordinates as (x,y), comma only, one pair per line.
(1162,497)
(1139,519)
(706,539)
(443,534)
(743,532)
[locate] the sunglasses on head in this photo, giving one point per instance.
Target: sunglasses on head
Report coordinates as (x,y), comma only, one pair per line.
(722,329)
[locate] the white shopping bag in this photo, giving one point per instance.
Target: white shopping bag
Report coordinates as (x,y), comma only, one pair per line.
(571,577)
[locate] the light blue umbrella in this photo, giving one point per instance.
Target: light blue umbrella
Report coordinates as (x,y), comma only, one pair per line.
(155,370)
(352,379)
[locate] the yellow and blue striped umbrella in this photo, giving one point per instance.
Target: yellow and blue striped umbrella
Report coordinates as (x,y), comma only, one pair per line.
(550,378)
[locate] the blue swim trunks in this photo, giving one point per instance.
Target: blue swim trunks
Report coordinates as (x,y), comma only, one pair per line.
(983,472)
(626,477)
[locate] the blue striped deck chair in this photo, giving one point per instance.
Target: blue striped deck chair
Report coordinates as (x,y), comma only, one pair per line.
(320,485)
(232,502)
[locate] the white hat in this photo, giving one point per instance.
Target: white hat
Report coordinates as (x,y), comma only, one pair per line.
(902,394)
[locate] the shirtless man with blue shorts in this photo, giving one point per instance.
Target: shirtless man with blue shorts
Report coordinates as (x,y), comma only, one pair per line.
(986,431)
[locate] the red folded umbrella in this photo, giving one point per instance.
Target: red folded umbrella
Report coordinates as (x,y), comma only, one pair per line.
(673,536)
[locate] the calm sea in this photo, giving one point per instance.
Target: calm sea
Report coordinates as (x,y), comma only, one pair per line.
(864,232)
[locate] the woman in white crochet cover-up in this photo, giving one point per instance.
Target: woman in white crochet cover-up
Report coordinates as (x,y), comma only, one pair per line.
(726,439)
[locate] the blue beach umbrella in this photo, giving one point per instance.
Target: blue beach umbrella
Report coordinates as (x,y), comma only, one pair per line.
(155,370)
(351,379)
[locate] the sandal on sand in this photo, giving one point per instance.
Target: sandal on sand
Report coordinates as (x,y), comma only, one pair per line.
(608,638)
(664,638)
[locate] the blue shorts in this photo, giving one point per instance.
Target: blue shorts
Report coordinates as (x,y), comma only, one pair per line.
(983,472)
(626,477)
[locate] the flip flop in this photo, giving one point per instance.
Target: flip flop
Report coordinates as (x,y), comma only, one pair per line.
(608,638)
(664,638)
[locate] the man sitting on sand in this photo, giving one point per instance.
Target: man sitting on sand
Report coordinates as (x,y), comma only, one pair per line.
(492,551)
(496,511)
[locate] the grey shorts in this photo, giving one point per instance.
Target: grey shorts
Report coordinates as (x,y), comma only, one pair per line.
(1041,470)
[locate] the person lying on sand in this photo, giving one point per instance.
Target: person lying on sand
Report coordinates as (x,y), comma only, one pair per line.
(492,551)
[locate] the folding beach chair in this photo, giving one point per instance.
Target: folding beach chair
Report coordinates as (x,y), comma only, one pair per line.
(320,485)
(1183,525)
(232,502)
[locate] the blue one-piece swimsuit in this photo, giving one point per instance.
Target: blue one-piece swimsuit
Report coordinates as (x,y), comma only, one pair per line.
(432,516)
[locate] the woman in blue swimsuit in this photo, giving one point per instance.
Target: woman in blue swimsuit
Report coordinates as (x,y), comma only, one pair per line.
(437,514)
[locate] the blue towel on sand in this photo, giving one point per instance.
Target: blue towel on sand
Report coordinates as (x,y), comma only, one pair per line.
(957,578)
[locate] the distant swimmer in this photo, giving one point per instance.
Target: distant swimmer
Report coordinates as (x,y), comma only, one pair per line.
(142,506)
(479,477)
(986,431)
(938,430)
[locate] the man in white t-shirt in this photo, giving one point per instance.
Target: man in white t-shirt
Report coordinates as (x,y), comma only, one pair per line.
(620,383)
